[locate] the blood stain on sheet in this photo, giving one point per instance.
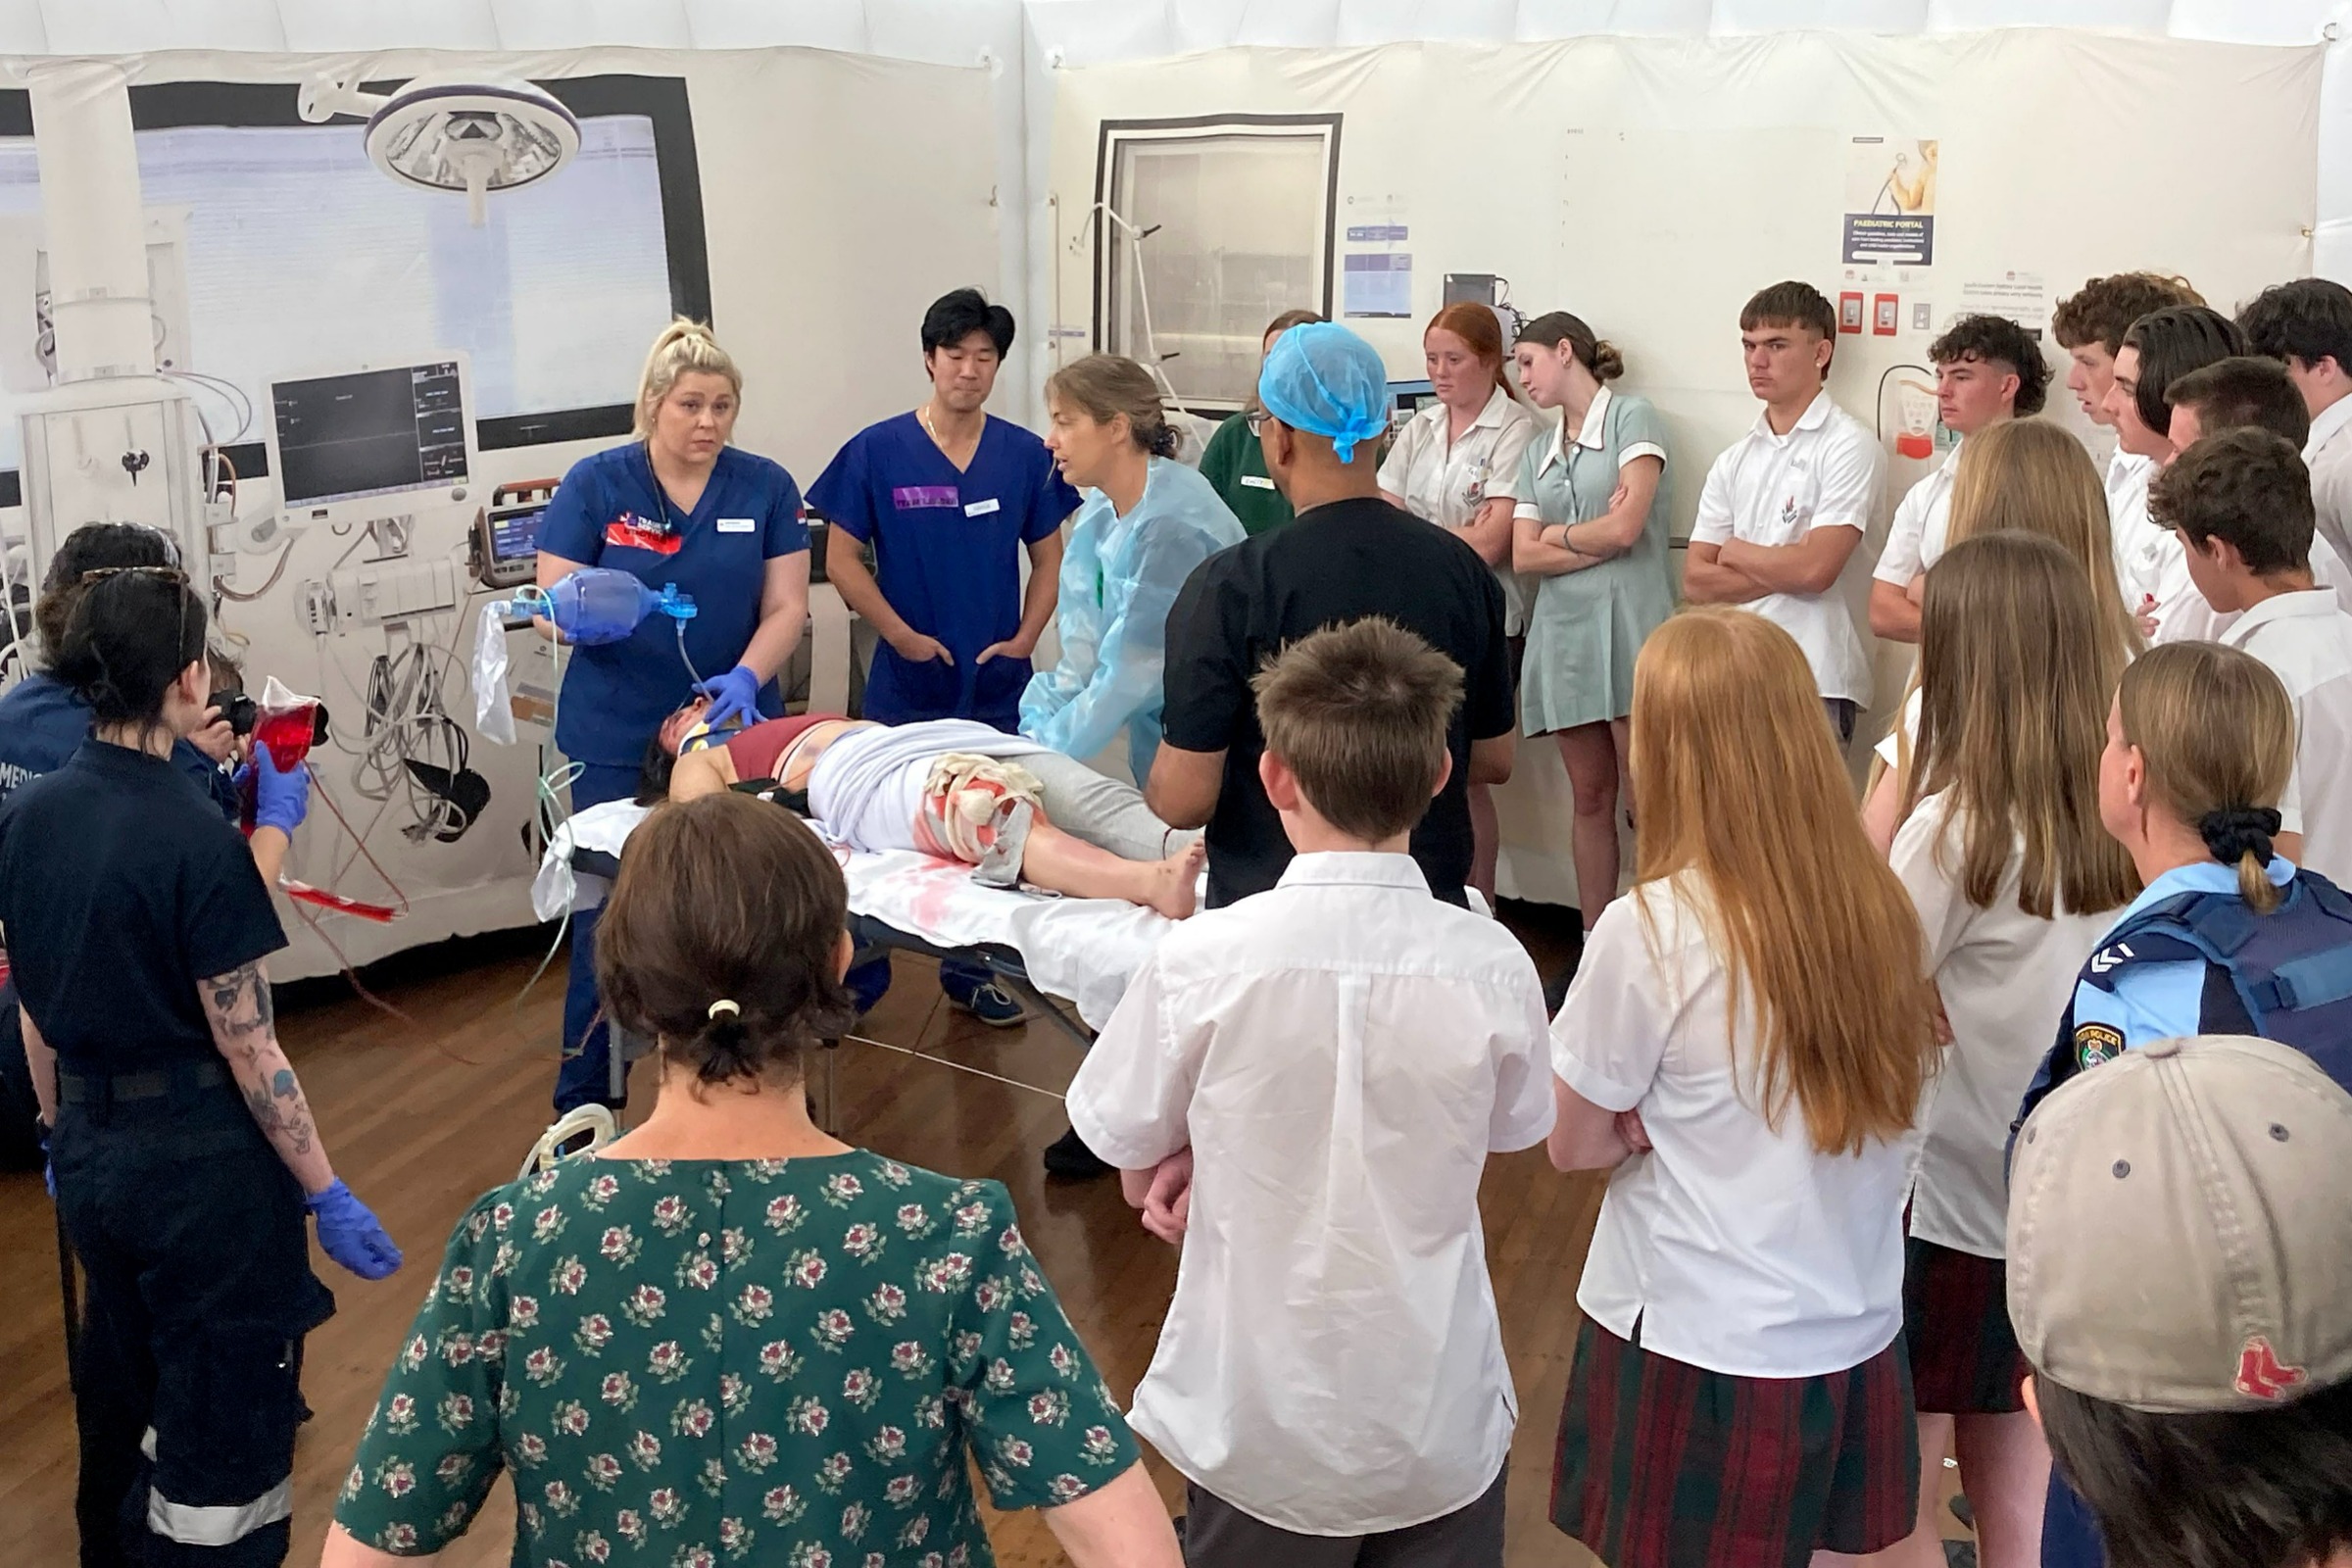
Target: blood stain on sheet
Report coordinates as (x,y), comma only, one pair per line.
(933,888)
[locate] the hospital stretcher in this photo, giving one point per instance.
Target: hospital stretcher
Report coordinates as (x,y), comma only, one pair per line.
(1037,945)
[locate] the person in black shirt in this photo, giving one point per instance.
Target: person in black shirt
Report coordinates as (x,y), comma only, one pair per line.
(183,1150)
(1349,555)
(41,724)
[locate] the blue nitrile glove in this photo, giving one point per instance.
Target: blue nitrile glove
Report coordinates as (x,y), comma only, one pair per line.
(48,1168)
(279,800)
(734,697)
(351,1234)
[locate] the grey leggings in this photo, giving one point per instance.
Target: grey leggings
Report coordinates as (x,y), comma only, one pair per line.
(1103,811)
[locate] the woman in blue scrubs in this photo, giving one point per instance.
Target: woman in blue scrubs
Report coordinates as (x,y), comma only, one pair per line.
(948,499)
(677,504)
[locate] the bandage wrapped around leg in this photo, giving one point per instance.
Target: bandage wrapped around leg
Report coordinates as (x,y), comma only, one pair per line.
(978,810)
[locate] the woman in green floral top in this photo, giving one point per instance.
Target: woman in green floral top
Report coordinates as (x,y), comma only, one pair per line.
(727,1338)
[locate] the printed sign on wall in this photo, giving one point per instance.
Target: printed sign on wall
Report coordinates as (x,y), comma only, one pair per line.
(1889,202)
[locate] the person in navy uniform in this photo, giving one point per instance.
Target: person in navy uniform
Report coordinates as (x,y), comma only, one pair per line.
(949,497)
(184,1154)
(43,720)
(676,504)
(2227,938)
(42,723)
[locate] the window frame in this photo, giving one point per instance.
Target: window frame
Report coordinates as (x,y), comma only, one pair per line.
(1113,133)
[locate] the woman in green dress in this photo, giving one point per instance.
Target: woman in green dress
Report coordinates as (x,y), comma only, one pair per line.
(727,1338)
(1233,464)
(1590,529)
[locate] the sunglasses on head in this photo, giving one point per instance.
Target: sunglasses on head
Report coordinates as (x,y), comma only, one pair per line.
(168,574)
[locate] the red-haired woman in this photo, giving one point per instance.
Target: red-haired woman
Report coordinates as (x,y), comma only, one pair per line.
(1456,464)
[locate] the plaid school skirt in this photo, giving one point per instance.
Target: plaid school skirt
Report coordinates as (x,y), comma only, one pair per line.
(1665,1466)
(1964,1355)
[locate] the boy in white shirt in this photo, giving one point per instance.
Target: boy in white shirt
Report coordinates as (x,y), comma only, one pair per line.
(2159,349)
(1784,510)
(1987,368)
(1304,1085)
(2089,324)
(2308,325)
(2241,503)
(2245,391)
(2249,390)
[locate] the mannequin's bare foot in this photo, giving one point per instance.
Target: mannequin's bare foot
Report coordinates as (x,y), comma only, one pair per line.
(1176,881)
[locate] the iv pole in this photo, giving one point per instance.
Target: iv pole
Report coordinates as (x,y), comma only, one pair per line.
(1135,237)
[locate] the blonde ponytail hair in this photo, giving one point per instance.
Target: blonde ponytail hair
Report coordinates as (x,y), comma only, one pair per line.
(2218,734)
(685,347)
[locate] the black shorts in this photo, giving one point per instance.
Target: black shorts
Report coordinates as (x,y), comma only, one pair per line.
(1217,1535)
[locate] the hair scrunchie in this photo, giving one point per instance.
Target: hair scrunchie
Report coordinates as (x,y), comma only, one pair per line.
(2235,831)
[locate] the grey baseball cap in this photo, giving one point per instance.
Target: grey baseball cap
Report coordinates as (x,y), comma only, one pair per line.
(2181,1228)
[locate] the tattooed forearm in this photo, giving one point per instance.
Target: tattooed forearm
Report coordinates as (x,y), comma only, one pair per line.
(245,1033)
(238,1003)
(280,1111)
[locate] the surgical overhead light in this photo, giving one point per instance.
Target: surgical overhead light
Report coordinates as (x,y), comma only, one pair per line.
(449,134)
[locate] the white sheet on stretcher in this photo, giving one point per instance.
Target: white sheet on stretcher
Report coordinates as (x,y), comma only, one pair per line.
(1082,949)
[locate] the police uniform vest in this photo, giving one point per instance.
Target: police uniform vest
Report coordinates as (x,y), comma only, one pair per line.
(2285,975)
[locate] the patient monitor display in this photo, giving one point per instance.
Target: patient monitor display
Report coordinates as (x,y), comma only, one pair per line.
(369,433)
(506,544)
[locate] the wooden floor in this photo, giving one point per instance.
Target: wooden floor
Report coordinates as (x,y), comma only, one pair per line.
(423,1116)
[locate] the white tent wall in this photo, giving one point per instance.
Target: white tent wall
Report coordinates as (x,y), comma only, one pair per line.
(1065,35)
(1651,184)
(1025,43)
(816,288)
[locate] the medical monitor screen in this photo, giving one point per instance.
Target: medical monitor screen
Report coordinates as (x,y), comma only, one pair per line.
(514,535)
(1407,399)
(371,433)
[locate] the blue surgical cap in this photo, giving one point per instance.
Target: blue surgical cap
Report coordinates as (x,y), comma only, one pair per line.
(1324,379)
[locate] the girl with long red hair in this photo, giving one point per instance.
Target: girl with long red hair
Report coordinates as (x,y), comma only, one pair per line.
(1456,464)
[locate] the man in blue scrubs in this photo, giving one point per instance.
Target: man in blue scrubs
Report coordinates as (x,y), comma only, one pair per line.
(947,497)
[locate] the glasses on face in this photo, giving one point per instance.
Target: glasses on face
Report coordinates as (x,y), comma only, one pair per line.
(1257,420)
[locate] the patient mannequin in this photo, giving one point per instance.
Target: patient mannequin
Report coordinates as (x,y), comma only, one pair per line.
(948,788)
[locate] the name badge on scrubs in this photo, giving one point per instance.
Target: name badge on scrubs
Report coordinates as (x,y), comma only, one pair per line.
(920,497)
(628,531)
(736,524)
(1256,481)
(981,509)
